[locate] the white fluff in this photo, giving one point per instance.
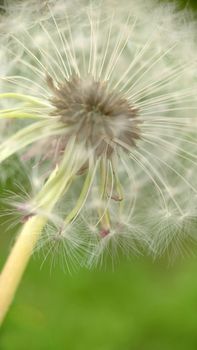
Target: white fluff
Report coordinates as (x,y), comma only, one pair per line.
(148,52)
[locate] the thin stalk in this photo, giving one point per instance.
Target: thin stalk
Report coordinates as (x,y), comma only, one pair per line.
(24,98)
(21,252)
(82,197)
(17,261)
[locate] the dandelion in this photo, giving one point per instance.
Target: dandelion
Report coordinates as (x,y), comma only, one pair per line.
(98,103)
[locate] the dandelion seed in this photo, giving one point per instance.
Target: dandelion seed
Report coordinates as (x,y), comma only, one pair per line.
(101,100)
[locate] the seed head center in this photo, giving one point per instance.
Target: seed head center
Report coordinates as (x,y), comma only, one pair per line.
(96,115)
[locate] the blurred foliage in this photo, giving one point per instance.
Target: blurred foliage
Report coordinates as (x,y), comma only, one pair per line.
(140,305)
(186,3)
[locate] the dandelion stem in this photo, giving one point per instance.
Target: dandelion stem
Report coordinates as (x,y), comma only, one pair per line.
(20,254)
(17,262)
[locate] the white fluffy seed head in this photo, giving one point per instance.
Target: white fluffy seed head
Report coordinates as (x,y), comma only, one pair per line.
(117,80)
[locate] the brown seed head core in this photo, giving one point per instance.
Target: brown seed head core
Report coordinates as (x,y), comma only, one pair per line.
(96,115)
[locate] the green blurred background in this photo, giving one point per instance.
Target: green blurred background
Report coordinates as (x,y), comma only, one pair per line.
(139,305)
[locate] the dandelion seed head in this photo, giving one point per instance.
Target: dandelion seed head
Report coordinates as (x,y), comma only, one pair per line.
(105,95)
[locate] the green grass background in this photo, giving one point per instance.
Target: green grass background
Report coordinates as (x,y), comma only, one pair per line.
(140,305)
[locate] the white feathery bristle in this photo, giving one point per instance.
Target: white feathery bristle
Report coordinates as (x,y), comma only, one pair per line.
(118,79)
